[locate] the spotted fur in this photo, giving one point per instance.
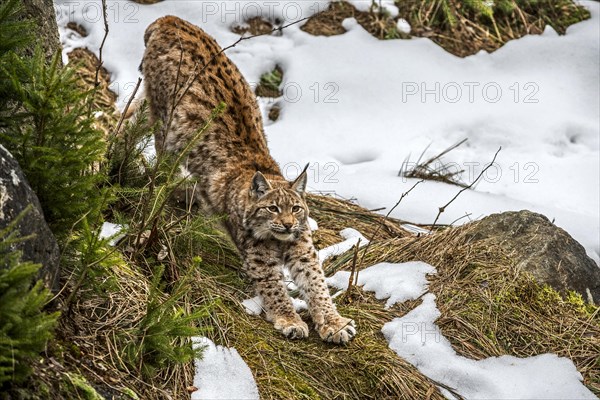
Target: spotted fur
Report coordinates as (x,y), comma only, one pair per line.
(186,78)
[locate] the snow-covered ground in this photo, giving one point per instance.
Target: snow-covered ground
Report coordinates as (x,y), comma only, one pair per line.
(224,375)
(356,108)
(416,338)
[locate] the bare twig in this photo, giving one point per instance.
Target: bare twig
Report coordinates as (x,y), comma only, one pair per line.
(351,282)
(195,73)
(443,208)
(467,215)
(374,235)
(124,113)
(100,61)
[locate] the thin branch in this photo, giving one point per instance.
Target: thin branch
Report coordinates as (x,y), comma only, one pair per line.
(467,215)
(195,74)
(100,61)
(383,220)
(351,282)
(124,113)
(443,208)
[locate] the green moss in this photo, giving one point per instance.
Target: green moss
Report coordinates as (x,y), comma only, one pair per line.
(576,300)
(130,393)
(451,23)
(310,369)
(76,386)
(270,83)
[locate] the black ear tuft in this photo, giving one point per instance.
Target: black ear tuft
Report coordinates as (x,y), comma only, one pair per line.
(259,185)
(299,185)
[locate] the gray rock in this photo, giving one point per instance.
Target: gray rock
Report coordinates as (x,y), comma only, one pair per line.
(15,196)
(546,251)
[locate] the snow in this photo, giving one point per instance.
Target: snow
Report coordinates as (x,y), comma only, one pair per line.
(356,108)
(253,306)
(222,374)
(351,236)
(387,283)
(112,232)
(403,26)
(386,5)
(14,177)
(416,338)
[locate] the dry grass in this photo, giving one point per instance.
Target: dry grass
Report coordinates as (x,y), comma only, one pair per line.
(451,24)
(254,26)
(366,368)
(433,168)
(329,22)
(463,31)
(98,326)
(335,214)
(488,308)
(85,63)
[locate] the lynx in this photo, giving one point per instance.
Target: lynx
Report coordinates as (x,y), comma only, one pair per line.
(186,77)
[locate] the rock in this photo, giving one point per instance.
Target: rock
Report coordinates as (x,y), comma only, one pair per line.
(541,248)
(15,196)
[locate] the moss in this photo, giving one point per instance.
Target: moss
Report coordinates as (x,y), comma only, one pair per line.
(460,27)
(576,300)
(76,386)
(310,369)
(130,393)
(270,83)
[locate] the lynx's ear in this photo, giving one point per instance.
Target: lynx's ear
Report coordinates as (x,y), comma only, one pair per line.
(259,185)
(299,185)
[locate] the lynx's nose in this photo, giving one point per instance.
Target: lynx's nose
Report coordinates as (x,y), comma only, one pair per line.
(287,226)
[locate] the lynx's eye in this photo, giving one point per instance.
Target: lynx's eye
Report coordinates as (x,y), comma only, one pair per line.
(296,209)
(273,209)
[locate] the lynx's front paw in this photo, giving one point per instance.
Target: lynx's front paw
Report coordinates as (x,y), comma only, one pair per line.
(337,329)
(292,328)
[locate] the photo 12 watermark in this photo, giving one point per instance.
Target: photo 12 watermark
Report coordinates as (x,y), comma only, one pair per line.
(240,11)
(423,331)
(318,172)
(92,12)
(469,92)
(120,11)
(468,171)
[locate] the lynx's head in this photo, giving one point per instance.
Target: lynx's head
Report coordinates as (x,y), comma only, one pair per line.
(277,210)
